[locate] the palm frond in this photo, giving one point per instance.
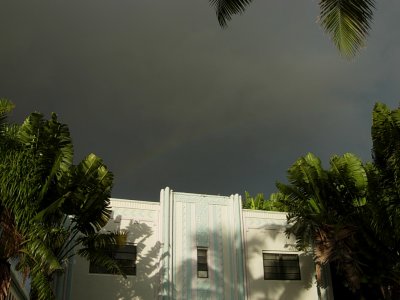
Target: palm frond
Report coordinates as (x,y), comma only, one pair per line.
(97,247)
(19,184)
(48,138)
(90,192)
(385,137)
(225,9)
(307,180)
(41,189)
(5,107)
(41,254)
(41,288)
(10,237)
(9,139)
(347,22)
(350,175)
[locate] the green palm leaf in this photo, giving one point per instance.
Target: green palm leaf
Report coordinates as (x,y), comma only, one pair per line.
(96,248)
(49,139)
(90,193)
(386,137)
(347,22)
(5,107)
(54,204)
(41,287)
(322,206)
(225,9)
(350,174)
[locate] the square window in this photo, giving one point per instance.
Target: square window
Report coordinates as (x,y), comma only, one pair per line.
(125,255)
(280,266)
(202,266)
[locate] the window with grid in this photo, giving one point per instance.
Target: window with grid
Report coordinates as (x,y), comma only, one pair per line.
(280,266)
(202,267)
(125,256)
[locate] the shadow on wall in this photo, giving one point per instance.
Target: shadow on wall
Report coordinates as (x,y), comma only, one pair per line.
(145,285)
(222,281)
(201,288)
(260,289)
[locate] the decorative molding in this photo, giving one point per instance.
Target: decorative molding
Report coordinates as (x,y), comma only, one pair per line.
(202,224)
(134,204)
(254,219)
(197,198)
(192,195)
(261,214)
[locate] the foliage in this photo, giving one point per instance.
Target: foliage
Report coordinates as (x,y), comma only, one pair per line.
(322,206)
(50,205)
(348,215)
(347,22)
(260,203)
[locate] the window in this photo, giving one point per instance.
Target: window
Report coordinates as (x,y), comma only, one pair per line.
(278,266)
(202,267)
(126,257)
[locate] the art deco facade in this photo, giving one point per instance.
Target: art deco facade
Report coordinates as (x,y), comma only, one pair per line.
(192,246)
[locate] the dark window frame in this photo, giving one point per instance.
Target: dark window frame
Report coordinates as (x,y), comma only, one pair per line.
(202,262)
(281,266)
(125,255)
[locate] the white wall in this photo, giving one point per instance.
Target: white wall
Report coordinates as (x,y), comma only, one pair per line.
(264,231)
(176,226)
(211,222)
(141,219)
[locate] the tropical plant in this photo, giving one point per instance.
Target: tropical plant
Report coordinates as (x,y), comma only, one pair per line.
(348,215)
(51,207)
(260,203)
(322,206)
(9,236)
(347,22)
(385,189)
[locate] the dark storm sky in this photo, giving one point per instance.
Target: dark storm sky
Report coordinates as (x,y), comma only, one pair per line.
(168,98)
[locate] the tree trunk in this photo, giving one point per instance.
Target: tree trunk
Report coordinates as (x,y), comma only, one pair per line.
(5,278)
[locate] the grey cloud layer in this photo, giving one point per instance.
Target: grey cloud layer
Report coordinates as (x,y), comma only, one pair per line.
(166,97)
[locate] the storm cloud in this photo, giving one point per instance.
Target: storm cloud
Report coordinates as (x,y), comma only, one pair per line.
(168,98)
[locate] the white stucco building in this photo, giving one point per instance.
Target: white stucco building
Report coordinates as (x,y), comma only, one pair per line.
(192,246)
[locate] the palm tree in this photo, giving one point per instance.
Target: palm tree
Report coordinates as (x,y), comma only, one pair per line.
(347,22)
(322,206)
(9,235)
(385,194)
(53,205)
(349,215)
